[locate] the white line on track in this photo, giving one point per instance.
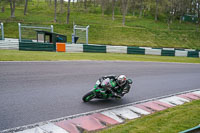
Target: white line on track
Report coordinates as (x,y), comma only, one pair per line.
(59,61)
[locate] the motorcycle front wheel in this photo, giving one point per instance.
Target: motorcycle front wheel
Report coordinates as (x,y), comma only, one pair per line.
(89,96)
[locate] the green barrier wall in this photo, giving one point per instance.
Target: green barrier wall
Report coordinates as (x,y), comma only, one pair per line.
(26,40)
(34,46)
(193,53)
(94,49)
(168,53)
(135,50)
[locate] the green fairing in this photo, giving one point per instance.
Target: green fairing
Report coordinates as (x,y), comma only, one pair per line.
(95,86)
(97,90)
(113,83)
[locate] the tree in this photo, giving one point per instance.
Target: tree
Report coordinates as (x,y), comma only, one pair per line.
(103,6)
(113,10)
(12,8)
(141,8)
(94,3)
(85,4)
(55,6)
(61,6)
(124,10)
(2,9)
(2,6)
(25,7)
(156,12)
(68,11)
(38,1)
(133,7)
(198,13)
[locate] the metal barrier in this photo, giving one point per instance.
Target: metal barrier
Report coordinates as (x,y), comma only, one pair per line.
(84,33)
(31,27)
(2,32)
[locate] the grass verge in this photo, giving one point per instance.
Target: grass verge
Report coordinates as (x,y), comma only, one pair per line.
(15,55)
(172,120)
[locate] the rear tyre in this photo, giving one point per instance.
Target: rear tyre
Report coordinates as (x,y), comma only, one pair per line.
(89,96)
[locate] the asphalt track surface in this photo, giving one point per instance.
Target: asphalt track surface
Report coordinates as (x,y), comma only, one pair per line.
(32,92)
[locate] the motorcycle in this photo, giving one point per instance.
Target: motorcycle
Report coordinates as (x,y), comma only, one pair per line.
(101,93)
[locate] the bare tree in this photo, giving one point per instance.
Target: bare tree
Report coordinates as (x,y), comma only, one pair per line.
(2,9)
(85,4)
(103,6)
(68,11)
(61,6)
(156,12)
(55,7)
(198,13)
(133,6)
(94,2)
(141,8)
(38,1)
(12,8)
(124,10)
(25,7)
(113,9)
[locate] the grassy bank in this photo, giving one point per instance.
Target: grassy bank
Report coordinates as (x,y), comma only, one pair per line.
(103,30)
(15,55)
(172,120)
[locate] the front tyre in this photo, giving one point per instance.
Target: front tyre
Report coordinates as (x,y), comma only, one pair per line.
(89,96)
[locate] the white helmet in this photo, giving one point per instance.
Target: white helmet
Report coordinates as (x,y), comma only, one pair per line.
(121,80)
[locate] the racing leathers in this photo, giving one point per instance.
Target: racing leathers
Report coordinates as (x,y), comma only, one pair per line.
(110,84)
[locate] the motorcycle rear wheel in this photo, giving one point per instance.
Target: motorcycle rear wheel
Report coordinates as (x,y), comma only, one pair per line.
(89,96)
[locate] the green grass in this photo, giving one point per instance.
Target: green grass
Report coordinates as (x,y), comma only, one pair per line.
(137,31)
(172,120)
(15,55)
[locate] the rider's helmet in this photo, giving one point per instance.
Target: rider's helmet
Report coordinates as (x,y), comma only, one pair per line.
(121,80)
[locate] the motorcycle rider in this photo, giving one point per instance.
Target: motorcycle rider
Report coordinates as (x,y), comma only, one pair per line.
(116,85)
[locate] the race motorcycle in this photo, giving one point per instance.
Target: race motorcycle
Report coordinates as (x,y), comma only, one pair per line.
(101,93)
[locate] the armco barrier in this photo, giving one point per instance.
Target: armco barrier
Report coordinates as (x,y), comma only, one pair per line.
(35,46)
(168,53)
(10,43)
(181,53)
(193,53)
(94,48)
(74,48)
(116,49)
(153,51)
(135,50)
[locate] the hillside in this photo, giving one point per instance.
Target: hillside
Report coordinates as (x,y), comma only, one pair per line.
(103,30)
